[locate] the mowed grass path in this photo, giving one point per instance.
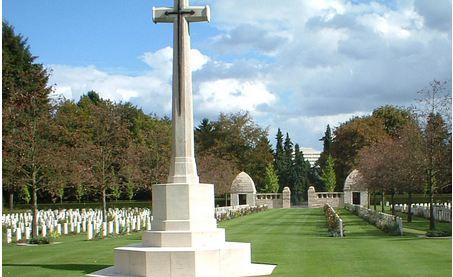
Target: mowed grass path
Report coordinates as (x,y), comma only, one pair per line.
(294,239)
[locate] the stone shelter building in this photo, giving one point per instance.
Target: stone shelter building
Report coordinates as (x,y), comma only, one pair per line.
(354,192)
(243,192)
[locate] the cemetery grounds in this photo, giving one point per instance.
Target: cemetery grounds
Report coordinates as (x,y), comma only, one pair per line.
(295,239)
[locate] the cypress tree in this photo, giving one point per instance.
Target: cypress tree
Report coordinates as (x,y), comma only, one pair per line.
(279,158)
(328,175)
(287,173)
(271,179)
(327,148)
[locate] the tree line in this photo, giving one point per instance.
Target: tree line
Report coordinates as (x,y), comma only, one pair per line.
(94,149)
(398,150)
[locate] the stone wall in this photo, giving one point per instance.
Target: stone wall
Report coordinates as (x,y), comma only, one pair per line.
(319,199)
(272,200)
(275,200)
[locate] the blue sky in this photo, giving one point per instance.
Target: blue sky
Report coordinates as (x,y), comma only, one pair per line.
(298,66)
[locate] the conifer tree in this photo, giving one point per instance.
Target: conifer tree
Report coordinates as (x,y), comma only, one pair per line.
(279,159)
(287,172)
(300,177)
(328,175)
(271,183)
(327,148)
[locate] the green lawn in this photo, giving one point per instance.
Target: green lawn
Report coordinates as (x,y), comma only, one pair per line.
(294,239)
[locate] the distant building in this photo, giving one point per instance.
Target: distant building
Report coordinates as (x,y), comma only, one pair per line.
(311,155)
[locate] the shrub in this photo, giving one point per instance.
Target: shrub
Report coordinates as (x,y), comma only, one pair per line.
(233,213)
(334,222)
(386,222)
(435,233)
(39,240)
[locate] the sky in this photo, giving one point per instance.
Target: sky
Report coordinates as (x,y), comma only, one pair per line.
(297,65)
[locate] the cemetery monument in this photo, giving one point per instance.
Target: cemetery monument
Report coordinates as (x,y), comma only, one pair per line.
(184,239)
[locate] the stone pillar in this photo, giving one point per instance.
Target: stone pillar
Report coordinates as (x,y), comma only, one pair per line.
(364,198)
(234,199)
(251,199)
(286,198)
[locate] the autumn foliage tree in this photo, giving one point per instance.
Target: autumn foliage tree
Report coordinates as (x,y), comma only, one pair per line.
(26,118)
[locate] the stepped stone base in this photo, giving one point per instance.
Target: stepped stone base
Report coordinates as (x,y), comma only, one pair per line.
(184,240)
(232,259)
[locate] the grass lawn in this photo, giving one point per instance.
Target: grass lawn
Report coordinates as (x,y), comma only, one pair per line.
(294,239)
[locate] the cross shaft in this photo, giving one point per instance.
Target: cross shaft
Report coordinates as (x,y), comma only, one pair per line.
(182,167)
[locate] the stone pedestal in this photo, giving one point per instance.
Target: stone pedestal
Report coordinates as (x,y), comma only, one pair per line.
(184,240)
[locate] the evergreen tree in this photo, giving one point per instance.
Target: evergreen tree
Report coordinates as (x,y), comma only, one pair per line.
(328,175)
(300,170)
(279,159)
(279,145)
(271,183)
(287,173)
(327,148)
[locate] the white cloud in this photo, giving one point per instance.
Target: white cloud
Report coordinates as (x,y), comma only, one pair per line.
(162,59)
(298,65)
(152,90)
(335,57)
(230,95)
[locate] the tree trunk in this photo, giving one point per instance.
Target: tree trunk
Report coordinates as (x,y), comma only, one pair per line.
(409,208)
(392,200)
(34,207)
(382,203)
(432,224)
(11,200)
(104,206)
(374,200)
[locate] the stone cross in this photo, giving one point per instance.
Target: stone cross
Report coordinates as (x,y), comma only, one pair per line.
(182,167)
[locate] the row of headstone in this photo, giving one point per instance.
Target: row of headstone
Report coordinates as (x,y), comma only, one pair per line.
(442,212)
(227,209)
(75,221)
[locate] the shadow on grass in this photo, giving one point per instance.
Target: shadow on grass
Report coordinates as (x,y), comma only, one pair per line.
(85,268)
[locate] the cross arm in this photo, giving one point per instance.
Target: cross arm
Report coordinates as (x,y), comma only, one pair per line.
(160,15)
(192,14)
(200,14)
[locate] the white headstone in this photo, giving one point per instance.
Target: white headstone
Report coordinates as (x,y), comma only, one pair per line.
(65,228)
(27,233)
(110,227)
(43,231)
(18,234)
(90,231)
(8,236)
(117,227)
